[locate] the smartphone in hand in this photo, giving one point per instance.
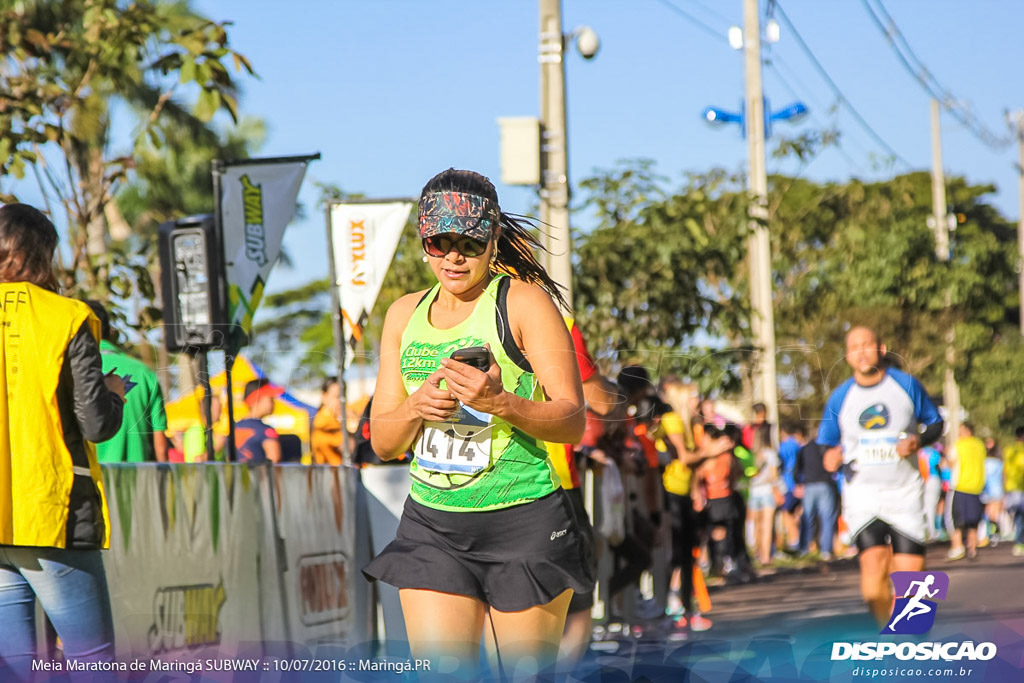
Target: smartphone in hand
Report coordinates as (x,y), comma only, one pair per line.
(478,357)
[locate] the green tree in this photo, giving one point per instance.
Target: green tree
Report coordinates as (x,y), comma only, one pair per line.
(64,64)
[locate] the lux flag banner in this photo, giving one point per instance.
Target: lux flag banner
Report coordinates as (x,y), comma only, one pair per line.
(257,201)
(364,237)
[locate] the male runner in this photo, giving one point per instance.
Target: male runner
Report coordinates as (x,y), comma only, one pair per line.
(873,423)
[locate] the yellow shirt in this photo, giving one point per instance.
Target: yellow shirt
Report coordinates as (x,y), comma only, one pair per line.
(969,472)
(1013,466)
(676,478)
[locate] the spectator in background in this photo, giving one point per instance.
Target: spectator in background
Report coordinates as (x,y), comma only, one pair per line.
(326,439)
(992,494)
(821,499)
(762,491)
(56,404)
(190,445)
(760,421)
(1013,482)
(930,464)
(968,461)
(141,436)
(793,438)
(255,441)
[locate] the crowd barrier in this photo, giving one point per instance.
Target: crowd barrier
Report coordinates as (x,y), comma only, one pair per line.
(233,558)
(238,560)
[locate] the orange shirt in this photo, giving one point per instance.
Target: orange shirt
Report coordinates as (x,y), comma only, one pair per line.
(718,476)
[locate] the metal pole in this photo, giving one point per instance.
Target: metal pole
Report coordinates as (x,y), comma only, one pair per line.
(229,355)
(950,389)
(204,381)
(759,244)
(339,336)
(554,194)
(1017,118)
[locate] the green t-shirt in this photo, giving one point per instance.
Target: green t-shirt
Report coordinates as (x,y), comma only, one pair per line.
(143,409)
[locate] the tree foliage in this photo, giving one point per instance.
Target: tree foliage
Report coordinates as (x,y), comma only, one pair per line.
(63,65)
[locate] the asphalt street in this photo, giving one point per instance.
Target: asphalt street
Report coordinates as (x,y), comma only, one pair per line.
(784,626)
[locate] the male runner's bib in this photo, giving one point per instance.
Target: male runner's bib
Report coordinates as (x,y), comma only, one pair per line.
(867,423)
(475,461)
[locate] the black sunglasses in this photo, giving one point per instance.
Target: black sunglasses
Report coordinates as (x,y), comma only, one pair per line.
(439,245)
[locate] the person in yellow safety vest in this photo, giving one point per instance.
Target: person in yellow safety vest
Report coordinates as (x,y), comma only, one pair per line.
(53,513)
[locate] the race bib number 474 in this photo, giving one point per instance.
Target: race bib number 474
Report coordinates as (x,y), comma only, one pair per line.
(462,446)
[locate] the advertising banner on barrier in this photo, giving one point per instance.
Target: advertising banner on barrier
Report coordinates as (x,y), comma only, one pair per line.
(364,237)
(182,565)
(316,523)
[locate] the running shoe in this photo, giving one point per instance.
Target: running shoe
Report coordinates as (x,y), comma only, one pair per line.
(957,554)
(699,623)
(1018,549)
(674,608)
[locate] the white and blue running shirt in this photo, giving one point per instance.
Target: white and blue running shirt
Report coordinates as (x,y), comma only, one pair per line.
(867,422)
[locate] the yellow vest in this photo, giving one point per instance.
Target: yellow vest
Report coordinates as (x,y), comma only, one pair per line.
(36,327)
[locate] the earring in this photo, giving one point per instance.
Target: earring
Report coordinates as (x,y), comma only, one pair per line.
(424,258)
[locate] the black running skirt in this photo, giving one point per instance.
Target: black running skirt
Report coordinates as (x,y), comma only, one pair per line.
(511,559)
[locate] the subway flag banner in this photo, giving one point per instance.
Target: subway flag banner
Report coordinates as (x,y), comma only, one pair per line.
(364,237)
(257,202)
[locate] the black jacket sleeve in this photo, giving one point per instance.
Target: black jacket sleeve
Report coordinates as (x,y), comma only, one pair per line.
(97,409)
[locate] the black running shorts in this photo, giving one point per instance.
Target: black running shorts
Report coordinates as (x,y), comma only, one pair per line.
(511,559)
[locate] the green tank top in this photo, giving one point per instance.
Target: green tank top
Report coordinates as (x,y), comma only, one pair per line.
(476,461)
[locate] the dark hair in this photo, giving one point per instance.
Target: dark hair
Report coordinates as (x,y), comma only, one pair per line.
(760,408)
(328,383)
(968,426)
(634,379)
(1019,433)
(514,251)
(27,242)
(793,428)
(104,318)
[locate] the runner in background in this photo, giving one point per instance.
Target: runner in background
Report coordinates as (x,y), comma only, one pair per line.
(873,426)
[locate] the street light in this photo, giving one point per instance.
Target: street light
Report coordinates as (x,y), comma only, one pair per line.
(793,113)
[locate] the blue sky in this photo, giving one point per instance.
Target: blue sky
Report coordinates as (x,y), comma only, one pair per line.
(392,91)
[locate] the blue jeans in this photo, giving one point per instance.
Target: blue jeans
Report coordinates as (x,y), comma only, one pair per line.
(820,503)
(72,588)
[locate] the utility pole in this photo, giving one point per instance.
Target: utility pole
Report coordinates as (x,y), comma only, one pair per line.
(1017,121)
(759,248)
(554,193)
(950,389)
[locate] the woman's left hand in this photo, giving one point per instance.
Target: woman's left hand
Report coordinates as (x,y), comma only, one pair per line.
(482,391)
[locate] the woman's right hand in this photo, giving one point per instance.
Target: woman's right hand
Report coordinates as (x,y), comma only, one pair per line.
(432,403)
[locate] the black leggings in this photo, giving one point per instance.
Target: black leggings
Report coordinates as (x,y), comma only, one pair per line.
(684,540)
(878,533)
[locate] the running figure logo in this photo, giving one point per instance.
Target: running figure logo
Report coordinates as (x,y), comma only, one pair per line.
(913,612)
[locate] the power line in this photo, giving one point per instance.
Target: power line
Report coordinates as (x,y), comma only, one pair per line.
(720,35)
(835,88)
(814,117)
(712,12)
(913,64)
